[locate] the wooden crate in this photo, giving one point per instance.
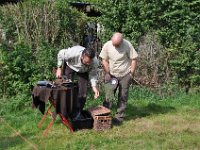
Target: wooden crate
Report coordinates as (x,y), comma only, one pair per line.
(102,122)
(102,117)
(99,111)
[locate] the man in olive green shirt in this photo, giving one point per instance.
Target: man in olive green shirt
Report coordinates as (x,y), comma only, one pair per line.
(119,61)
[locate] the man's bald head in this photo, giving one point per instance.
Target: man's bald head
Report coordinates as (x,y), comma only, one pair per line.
(117,39)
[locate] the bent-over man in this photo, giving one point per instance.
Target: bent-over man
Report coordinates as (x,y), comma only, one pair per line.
(81,61)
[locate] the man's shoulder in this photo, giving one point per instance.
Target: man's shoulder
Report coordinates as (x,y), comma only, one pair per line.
(127,45)
(63,50)
(77,48)
(75,51)
(127,42)
(108,43)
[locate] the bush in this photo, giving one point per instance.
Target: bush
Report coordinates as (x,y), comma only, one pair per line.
(31,34)
(177,36)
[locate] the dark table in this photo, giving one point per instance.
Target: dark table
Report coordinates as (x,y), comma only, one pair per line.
(63,98)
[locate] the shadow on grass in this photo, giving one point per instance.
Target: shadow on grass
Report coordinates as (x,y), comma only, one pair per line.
(7,142)
(133,112)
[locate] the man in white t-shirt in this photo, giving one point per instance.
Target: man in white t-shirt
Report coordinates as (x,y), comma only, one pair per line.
(119,61)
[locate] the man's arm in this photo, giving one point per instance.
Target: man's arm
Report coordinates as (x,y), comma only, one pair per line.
(59,72)
(107,76)
(93,77)
(133,55)
(60,60)
(105,64)
(133,66)
(104,56)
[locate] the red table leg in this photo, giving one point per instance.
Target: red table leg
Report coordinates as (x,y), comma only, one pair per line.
(63,118)
(44,117)
(66,122)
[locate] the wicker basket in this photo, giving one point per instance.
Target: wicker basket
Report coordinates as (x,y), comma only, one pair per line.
(102,122)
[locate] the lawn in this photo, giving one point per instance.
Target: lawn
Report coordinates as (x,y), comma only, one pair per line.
(151,123)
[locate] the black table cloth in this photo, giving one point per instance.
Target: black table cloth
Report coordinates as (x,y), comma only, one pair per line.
(63,96)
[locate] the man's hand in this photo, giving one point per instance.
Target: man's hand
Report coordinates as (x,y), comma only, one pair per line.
(59,73)
(133,67)
(96,92)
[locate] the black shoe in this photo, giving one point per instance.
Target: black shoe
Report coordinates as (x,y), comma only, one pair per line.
(116,122)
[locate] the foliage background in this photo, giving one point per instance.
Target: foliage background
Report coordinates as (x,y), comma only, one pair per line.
(165,34)
(32,34)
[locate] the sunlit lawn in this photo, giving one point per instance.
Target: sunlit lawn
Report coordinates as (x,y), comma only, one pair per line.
(150,124)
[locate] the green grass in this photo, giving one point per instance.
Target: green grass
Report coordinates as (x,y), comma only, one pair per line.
(151,124)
